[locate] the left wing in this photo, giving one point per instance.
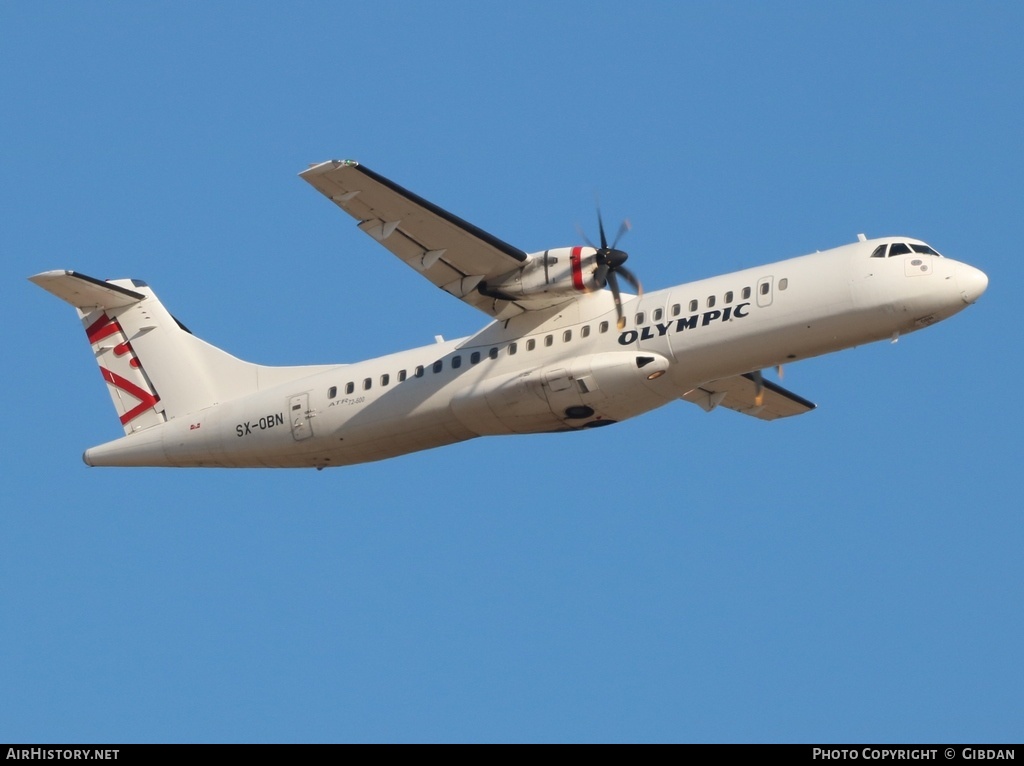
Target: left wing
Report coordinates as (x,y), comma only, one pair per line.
(453,254)
(739,393)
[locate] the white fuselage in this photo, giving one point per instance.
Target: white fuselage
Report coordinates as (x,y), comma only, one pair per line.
(567,367)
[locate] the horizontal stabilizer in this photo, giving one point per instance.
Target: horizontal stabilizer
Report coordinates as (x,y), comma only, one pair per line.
(85,292)
(740,393)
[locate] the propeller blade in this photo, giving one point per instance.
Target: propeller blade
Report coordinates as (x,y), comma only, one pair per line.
(623,228)
(583,234)
(600,228)
(601,275)
(631,278)
(613,282)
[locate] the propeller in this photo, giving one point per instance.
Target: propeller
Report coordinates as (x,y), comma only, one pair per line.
(610,266)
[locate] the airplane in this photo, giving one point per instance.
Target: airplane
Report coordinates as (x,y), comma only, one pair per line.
(566,348)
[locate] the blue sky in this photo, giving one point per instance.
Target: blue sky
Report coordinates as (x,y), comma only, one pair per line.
(854,574)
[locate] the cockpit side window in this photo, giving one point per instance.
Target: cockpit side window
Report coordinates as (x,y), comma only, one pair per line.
(923,249)
(898,248)
(879,251)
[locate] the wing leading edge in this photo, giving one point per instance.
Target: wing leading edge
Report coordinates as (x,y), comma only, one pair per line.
(453,254)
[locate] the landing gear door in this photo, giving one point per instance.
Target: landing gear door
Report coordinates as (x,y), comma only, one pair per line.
(300,417)
(562,393)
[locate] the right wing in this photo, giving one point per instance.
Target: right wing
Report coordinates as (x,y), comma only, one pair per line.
(453,254)
(739,393)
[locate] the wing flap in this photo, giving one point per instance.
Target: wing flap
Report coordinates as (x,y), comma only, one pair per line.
(447,250)
(739,393)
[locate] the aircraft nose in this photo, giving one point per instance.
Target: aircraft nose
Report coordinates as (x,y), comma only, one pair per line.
(971,281)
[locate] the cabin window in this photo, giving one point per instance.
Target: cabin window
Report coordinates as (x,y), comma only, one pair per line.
(640,318)
(493,353)
(567,336)
(531,344)
(512,348)
(585,331)
(603,327)
(385,379)
(401,375)
(729,297)
(658,313)
(898,248)
(765,287)
(332,392)
(456,362)
(711,301)
(350,387)
(474,358)
(419,371)
(693,305)
(676,308)
(367,382)
(439,365)
(746,293)
(549,339)
(783,283)
(879,252)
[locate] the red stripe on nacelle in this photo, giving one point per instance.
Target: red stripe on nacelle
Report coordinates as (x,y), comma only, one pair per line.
(577,270)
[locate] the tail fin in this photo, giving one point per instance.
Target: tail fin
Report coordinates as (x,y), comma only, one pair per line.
(154,367)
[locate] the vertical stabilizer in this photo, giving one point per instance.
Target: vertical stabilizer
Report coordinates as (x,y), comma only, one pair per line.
(132,392)
(155,369)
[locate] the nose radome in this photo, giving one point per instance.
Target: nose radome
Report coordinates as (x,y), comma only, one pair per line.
(971,281)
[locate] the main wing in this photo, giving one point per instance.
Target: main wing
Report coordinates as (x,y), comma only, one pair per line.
(740,393)
(453,254)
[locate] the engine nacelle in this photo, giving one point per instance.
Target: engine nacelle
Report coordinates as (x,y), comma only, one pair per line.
(560,272)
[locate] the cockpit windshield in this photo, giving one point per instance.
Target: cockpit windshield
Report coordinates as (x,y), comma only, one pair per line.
(902,248)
